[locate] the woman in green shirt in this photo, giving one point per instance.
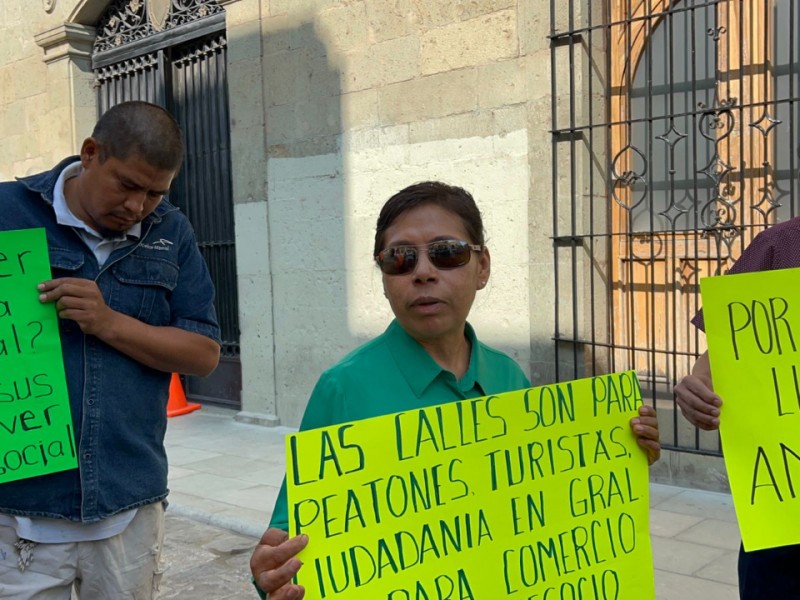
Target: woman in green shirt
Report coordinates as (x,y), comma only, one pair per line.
(429,245)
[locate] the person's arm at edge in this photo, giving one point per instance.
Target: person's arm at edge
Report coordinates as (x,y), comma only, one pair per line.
(694,394)
(696,398)
(167,348)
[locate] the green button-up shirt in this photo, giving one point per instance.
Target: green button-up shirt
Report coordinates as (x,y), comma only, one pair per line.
(394,373)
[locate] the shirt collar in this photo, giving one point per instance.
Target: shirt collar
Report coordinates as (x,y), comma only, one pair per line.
(64,216)
(418,367)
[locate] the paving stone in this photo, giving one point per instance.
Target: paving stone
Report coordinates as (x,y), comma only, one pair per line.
(229,544)
(205,562)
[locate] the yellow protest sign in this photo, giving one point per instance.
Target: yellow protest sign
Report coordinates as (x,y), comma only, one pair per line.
(752,323)
(537,494)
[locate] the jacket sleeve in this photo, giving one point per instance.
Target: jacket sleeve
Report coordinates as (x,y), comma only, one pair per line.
(758,256)
(192,300)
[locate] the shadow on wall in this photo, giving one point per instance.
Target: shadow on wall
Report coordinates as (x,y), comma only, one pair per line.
(305,189)
(312,229)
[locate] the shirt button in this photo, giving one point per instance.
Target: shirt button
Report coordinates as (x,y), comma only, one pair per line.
(87,456)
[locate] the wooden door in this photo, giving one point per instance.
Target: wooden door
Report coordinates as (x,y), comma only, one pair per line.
(692,165)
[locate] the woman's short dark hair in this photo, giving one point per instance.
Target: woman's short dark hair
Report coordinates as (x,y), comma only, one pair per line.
(142,129)
(449,197)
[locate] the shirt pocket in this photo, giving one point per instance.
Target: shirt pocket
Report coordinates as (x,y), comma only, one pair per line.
(142,288)
(65,263)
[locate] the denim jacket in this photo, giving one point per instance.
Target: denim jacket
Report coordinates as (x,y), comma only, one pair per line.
(118,404)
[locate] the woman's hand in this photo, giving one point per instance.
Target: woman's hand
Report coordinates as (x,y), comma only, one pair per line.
(273,564)
(645,428)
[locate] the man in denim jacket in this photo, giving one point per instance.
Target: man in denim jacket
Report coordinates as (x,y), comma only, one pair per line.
(135,303)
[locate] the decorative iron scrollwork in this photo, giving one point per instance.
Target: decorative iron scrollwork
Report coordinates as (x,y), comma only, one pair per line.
(719,211)
(718,122)
(672,137)
(716,170)
(767,202)
(688,271)
(717,32)
(673,212)
(127,21)
(771,123)
(723,240)
(627,178)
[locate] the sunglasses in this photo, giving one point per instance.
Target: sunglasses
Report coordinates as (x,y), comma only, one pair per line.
(443,254)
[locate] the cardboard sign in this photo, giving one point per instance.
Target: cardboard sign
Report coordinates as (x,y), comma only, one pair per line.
(533,494)
(753,329)
(36,434)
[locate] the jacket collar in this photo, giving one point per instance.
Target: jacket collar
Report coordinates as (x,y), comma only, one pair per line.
(45,183)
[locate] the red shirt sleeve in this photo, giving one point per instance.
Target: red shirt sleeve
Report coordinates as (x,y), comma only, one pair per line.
(758,256)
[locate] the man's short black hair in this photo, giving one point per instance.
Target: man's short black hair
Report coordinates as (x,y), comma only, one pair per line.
(142,129)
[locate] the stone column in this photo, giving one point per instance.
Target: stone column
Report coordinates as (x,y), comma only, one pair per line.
(251,210)
(71,108)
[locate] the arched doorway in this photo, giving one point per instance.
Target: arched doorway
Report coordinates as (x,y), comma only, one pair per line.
(698,153)
(694,160)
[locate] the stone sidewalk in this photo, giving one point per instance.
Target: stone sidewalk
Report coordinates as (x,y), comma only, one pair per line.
(226,474)
(204,562)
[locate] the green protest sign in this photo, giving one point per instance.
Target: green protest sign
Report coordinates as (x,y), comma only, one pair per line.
(36,436)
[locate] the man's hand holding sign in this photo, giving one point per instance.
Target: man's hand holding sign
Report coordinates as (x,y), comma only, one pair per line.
(36,435)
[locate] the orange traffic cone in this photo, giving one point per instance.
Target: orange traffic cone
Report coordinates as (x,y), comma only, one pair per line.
(177,404)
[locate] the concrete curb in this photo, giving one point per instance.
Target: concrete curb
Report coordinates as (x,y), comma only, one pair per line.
(231,524)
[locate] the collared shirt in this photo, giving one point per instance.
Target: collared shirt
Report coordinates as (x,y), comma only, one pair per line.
(392,373)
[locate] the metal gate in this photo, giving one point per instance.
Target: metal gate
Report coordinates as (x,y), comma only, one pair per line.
(173,53)
(674,143)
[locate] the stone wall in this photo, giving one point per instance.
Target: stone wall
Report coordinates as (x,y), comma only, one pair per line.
(362,98)
(47,102)
(335,105)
